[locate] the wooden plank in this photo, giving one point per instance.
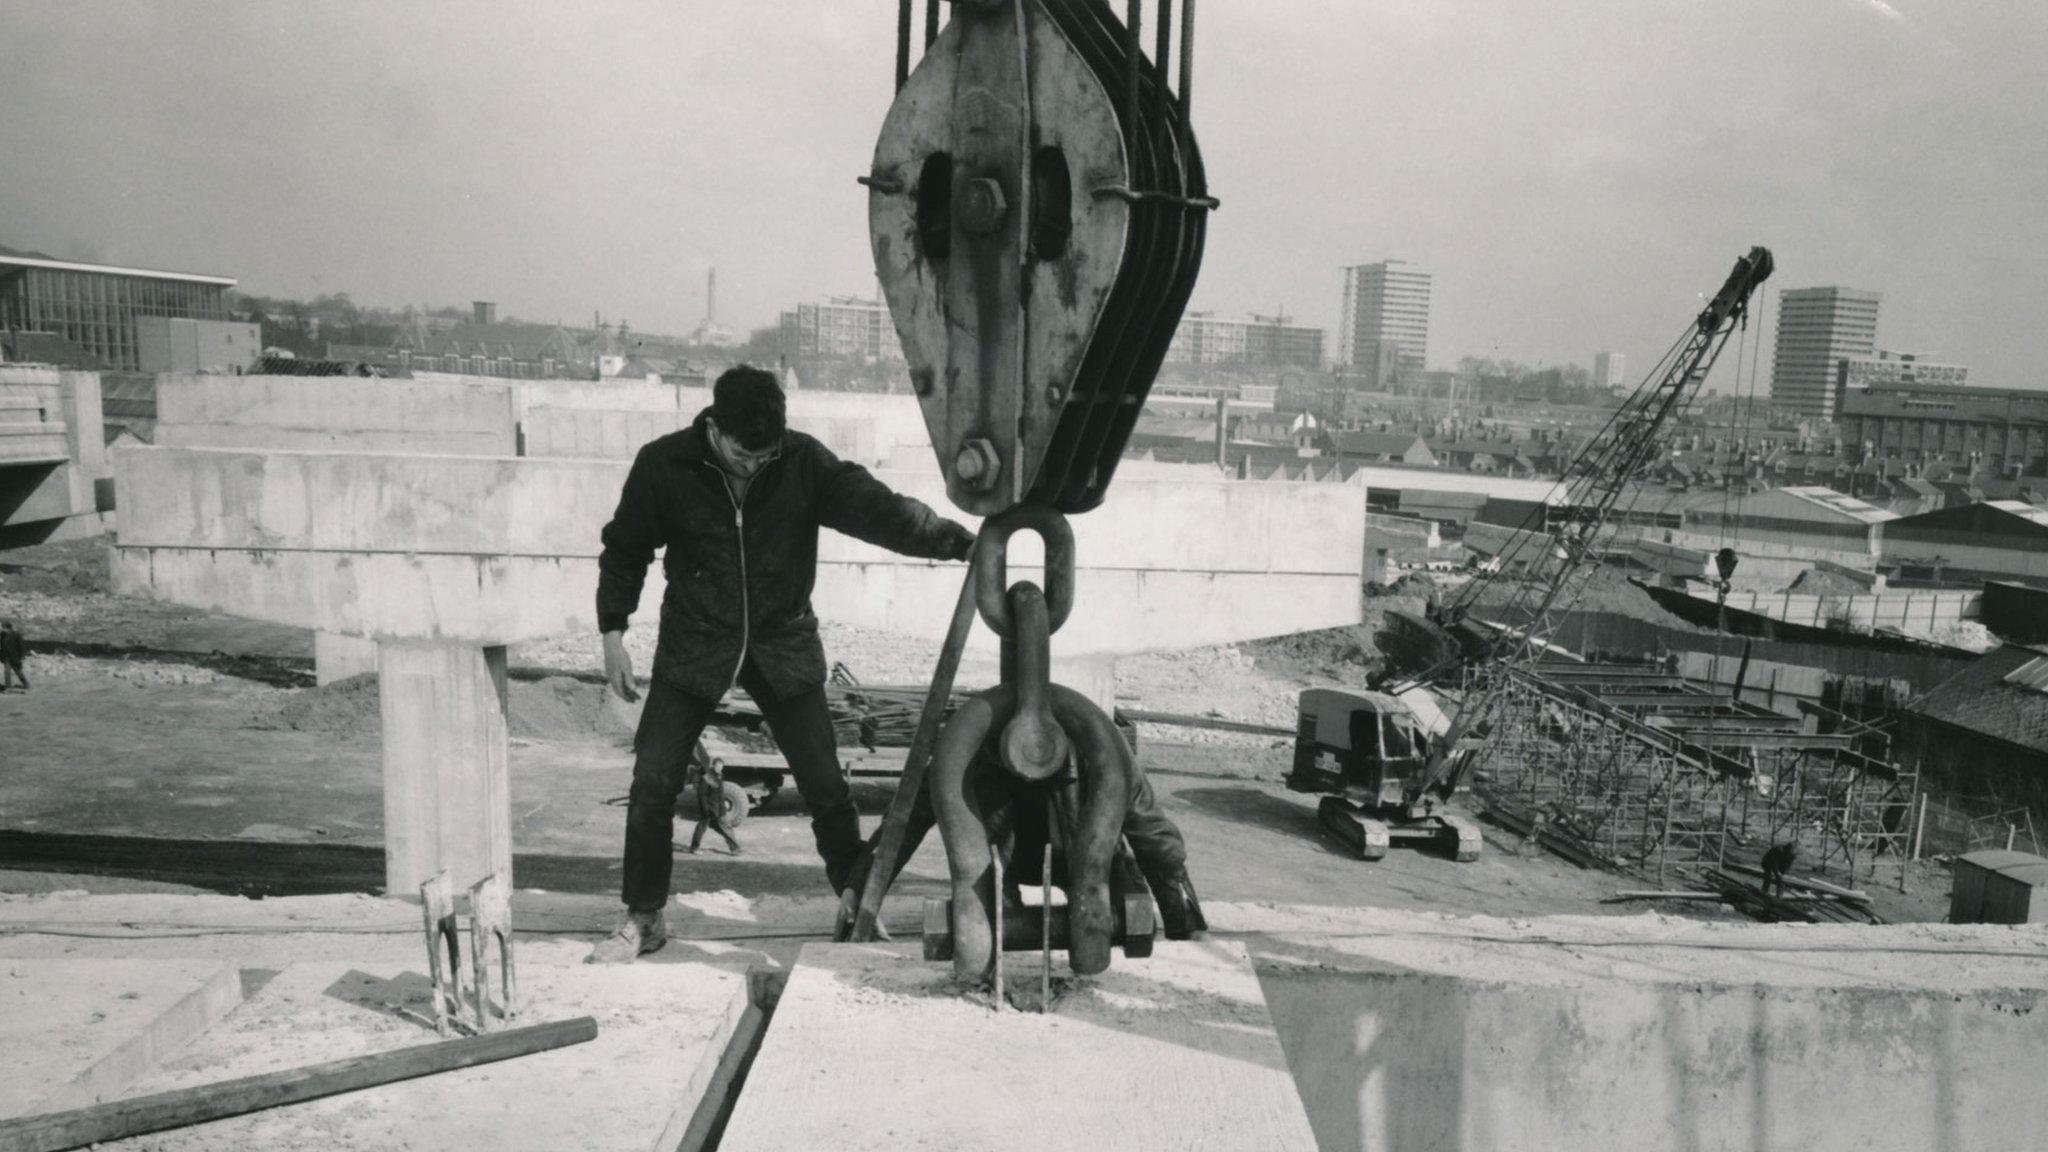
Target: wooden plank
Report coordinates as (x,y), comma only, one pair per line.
(51,1132)
(1177,1051)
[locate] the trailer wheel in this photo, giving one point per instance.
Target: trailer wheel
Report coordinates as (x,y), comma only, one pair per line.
(736,802)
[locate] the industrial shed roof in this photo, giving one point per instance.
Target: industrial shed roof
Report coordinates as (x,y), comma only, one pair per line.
(1984,698)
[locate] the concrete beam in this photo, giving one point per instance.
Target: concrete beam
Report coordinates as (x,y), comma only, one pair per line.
(301,413)
(503,550)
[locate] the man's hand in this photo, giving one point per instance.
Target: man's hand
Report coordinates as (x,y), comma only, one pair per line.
(959,541)
(618,667)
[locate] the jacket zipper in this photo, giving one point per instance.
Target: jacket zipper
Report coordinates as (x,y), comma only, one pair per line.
(739,528)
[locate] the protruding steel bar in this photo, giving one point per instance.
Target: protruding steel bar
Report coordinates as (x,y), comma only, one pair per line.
(902,43)
(1045,915)
(1162,50)
(889,839)
(1187,57)
(931,21)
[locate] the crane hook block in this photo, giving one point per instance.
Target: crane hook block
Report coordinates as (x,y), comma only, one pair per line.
(1033,297)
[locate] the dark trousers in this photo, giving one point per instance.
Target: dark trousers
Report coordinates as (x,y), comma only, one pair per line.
(9,669)
(669,727)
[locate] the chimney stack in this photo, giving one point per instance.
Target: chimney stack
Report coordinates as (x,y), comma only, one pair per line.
(486,311)
(711,298)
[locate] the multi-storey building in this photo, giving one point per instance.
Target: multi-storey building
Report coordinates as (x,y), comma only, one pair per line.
(95,307)
(2002,429)
(1610,370)
(843,327)
(1857,373)
(1383,323)
(1266,341)
(1817,329)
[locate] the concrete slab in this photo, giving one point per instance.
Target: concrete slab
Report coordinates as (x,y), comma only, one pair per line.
(871,1047)
(74,1032)
(661,1031)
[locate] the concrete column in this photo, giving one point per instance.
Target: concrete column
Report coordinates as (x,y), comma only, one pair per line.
(1091,676)
(446,794)
(338,657)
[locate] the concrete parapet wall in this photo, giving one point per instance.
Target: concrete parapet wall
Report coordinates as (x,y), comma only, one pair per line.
(594,434)
(363,414)
(52,448)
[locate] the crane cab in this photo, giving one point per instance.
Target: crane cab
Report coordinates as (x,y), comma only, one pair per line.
(1363,746)
(1367,756)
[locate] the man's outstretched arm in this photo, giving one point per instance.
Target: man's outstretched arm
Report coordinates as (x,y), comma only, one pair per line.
(852,501)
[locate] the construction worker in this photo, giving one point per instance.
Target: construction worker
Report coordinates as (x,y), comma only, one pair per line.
(710,803)
(1776,863)
(11,652)
(737,499)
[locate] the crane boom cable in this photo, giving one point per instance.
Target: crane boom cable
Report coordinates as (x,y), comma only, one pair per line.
(1613,467)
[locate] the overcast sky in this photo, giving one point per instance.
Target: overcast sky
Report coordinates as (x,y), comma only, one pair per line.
(1575,173)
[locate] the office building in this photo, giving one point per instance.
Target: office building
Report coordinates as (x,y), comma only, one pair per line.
(1817,329)
(1995,429)
(1860,373)
(1610,370)
(95,307)
(1262,341)
(1383,323)
(843,327)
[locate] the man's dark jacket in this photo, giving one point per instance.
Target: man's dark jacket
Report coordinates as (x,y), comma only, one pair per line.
(740,573)
(11,647)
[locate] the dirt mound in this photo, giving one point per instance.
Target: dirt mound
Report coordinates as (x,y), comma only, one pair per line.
(1820,582)
(558,708)
(345,708)
(555,708)
(70,566)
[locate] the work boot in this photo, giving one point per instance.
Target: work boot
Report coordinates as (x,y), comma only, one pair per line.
(642,932)
(1180,913)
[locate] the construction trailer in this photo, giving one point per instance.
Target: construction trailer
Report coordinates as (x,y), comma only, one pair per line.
(1997,886)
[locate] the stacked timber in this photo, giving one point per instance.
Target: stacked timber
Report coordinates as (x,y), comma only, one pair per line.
(1808,902)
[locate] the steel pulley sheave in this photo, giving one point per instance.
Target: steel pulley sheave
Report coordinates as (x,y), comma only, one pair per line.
(1037,209)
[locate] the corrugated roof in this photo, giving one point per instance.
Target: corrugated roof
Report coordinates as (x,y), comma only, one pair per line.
(1978,699)
(2033,675)
(1837,502)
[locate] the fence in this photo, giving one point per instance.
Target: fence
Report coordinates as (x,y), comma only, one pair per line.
(1954,825)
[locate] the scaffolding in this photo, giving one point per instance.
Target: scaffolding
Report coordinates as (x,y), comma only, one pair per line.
(1650,770)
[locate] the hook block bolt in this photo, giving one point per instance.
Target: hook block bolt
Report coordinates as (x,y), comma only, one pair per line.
(981,206)
(977,465)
